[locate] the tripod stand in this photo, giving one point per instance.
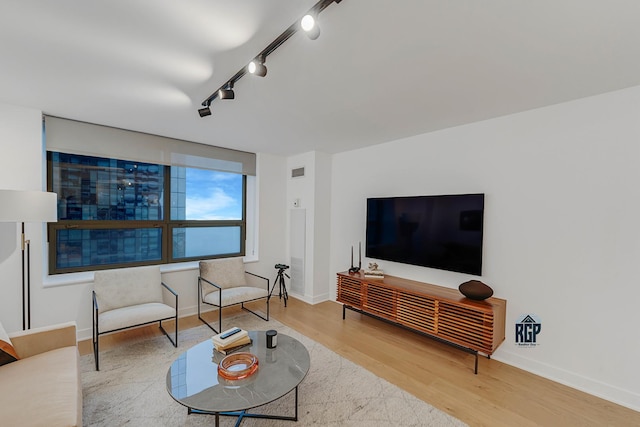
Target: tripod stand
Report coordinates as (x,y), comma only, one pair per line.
(280,280)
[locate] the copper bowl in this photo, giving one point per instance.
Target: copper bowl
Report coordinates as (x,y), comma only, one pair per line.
(237,366)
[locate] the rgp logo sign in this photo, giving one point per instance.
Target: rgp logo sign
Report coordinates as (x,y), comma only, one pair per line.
(527,330)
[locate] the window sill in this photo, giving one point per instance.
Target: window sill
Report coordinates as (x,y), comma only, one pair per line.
(84,277)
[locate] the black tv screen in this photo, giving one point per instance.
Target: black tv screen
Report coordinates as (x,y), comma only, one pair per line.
(443,232)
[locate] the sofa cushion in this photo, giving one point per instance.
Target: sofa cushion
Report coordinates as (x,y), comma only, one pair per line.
(224,272)
(42,390)
(127,286)
(7,352)
(43,338)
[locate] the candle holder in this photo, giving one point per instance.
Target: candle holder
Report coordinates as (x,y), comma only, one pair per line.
(354,269)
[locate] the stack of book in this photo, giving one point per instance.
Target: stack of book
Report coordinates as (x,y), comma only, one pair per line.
(231,340)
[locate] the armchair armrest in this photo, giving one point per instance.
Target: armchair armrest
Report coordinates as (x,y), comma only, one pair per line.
(259,277)
(209,282)
(40,340)
(168,288)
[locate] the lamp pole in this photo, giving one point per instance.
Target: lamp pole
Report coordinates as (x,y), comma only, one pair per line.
(26,281)
(27,206)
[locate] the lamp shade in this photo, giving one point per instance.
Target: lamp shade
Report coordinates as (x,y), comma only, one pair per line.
(28,206)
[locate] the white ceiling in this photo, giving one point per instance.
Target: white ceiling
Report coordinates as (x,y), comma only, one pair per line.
(381,69)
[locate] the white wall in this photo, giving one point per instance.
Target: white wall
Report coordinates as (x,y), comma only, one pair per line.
(67,297)
(562,235)
(313,191)
(272,173)
(301,190)
(322,228)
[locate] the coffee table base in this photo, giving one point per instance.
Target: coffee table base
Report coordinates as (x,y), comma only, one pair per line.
(245,414)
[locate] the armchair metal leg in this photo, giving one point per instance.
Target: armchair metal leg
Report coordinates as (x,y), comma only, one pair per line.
(255,313)
(199,312)
(207,323)
(96,352)
(175,343)
(95,338)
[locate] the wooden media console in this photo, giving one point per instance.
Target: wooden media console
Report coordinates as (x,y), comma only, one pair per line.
(438,312)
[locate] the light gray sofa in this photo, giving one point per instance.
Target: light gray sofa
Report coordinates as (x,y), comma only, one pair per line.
(42,387)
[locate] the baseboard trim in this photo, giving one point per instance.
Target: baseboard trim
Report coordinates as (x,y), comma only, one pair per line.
(310,300)
(597,388)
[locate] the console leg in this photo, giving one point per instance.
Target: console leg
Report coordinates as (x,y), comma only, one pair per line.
(476,369)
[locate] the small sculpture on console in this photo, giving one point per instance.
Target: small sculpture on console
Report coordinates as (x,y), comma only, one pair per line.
(372,272)
(476,290)
(354,269)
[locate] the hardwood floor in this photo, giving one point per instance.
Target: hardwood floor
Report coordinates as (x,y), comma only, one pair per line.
(500,395)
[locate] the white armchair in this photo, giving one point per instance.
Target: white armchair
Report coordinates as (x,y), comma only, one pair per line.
(224,282)
(129,297)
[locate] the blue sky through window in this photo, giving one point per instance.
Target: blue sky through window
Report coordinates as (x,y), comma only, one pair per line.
(213,195)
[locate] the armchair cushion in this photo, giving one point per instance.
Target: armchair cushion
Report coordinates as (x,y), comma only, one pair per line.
(7,352)
(126,287)
(131,315)
(236,295)
(225,272)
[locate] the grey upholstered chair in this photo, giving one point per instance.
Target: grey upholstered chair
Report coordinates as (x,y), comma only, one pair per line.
(130,297)
(224,282)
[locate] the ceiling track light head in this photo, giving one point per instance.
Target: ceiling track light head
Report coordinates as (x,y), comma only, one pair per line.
(227,92)
(309,25)
(257,67)
(205,110)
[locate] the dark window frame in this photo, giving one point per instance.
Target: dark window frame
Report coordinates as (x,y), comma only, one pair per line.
(166,224)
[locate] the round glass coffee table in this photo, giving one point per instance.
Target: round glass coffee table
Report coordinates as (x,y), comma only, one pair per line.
(193,380)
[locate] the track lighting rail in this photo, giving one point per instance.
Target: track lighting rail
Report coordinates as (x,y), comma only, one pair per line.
(262,55)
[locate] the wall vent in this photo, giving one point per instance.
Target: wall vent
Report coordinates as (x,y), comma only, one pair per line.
(297,172)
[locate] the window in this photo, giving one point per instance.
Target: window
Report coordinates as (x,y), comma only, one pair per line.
(209,210)
(115,213)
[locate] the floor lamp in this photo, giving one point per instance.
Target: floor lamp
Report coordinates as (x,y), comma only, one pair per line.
(27,206)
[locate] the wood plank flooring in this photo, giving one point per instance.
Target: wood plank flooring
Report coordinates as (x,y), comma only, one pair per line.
(500,395)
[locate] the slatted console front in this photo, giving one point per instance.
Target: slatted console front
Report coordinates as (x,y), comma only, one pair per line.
(436,311)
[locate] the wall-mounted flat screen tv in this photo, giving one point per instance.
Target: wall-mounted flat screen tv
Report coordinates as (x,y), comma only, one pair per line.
(443,232)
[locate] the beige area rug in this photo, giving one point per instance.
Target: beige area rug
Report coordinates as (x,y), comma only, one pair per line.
(130,389)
